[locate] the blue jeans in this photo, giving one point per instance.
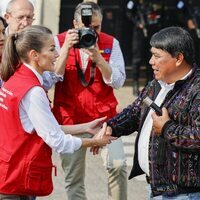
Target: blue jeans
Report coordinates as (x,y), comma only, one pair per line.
(187,196)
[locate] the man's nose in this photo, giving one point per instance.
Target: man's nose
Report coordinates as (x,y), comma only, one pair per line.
(25,22)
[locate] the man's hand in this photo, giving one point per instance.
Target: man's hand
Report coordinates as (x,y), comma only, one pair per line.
(105,132)
(96,57)
(71,38)
(159,121)
(94,54)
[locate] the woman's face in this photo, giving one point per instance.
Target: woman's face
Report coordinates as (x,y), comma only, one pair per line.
(47,57)
(2,36)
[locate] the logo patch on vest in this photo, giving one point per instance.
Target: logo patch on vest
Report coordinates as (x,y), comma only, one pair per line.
(105,51)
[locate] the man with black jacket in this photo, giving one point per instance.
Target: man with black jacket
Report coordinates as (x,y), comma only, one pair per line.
(167,147)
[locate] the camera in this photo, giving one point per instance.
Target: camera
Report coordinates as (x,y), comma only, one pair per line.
(87,35)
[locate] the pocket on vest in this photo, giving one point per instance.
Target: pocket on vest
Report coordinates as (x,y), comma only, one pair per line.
(39,179)
(108,110)
(4,163)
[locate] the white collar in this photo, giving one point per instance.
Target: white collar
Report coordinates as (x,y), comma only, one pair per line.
(171,85)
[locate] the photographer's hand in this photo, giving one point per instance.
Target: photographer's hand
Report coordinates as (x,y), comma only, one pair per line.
(71,38)
(96,57)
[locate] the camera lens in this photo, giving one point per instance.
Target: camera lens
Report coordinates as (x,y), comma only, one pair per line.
(87,37)
(88,40)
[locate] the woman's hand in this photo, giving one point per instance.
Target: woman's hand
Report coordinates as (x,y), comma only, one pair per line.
(94,126)
(104,134)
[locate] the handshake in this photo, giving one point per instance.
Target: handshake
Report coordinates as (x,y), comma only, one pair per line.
(101,135)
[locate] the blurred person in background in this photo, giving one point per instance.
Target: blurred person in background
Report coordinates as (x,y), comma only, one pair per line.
(20,14)
(146,20)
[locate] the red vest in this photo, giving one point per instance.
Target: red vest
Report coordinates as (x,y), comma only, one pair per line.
(25,160)
(74,103)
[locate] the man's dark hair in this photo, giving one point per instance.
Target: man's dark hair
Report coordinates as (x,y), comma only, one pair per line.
(175,40)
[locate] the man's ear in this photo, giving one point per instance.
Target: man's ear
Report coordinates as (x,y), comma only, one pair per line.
(75,23)
(6,17)
(179,59)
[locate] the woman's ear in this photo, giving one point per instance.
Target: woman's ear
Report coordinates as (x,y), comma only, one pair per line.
(33,55)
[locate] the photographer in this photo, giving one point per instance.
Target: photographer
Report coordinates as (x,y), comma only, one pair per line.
(86,93)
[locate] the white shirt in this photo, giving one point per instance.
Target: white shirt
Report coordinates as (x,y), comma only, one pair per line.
(116,62)
(35,114)
(50,78)
(143,143)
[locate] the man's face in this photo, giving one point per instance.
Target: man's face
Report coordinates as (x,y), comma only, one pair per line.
(20,16)
(164,65)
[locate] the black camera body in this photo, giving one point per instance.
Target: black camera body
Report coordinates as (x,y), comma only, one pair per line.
(87,35)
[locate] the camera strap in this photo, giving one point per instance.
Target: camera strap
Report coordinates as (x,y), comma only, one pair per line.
(81,75)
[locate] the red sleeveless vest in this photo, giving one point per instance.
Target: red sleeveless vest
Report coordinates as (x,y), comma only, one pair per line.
(74,103)
(25,160)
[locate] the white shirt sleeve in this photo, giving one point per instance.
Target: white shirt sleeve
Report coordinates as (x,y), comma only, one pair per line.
(50,78)
(35,114)
(118,67)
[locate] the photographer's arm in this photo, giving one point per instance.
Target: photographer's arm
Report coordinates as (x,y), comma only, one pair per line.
(113,72)
(103,66)
(71,38)
(117,64)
